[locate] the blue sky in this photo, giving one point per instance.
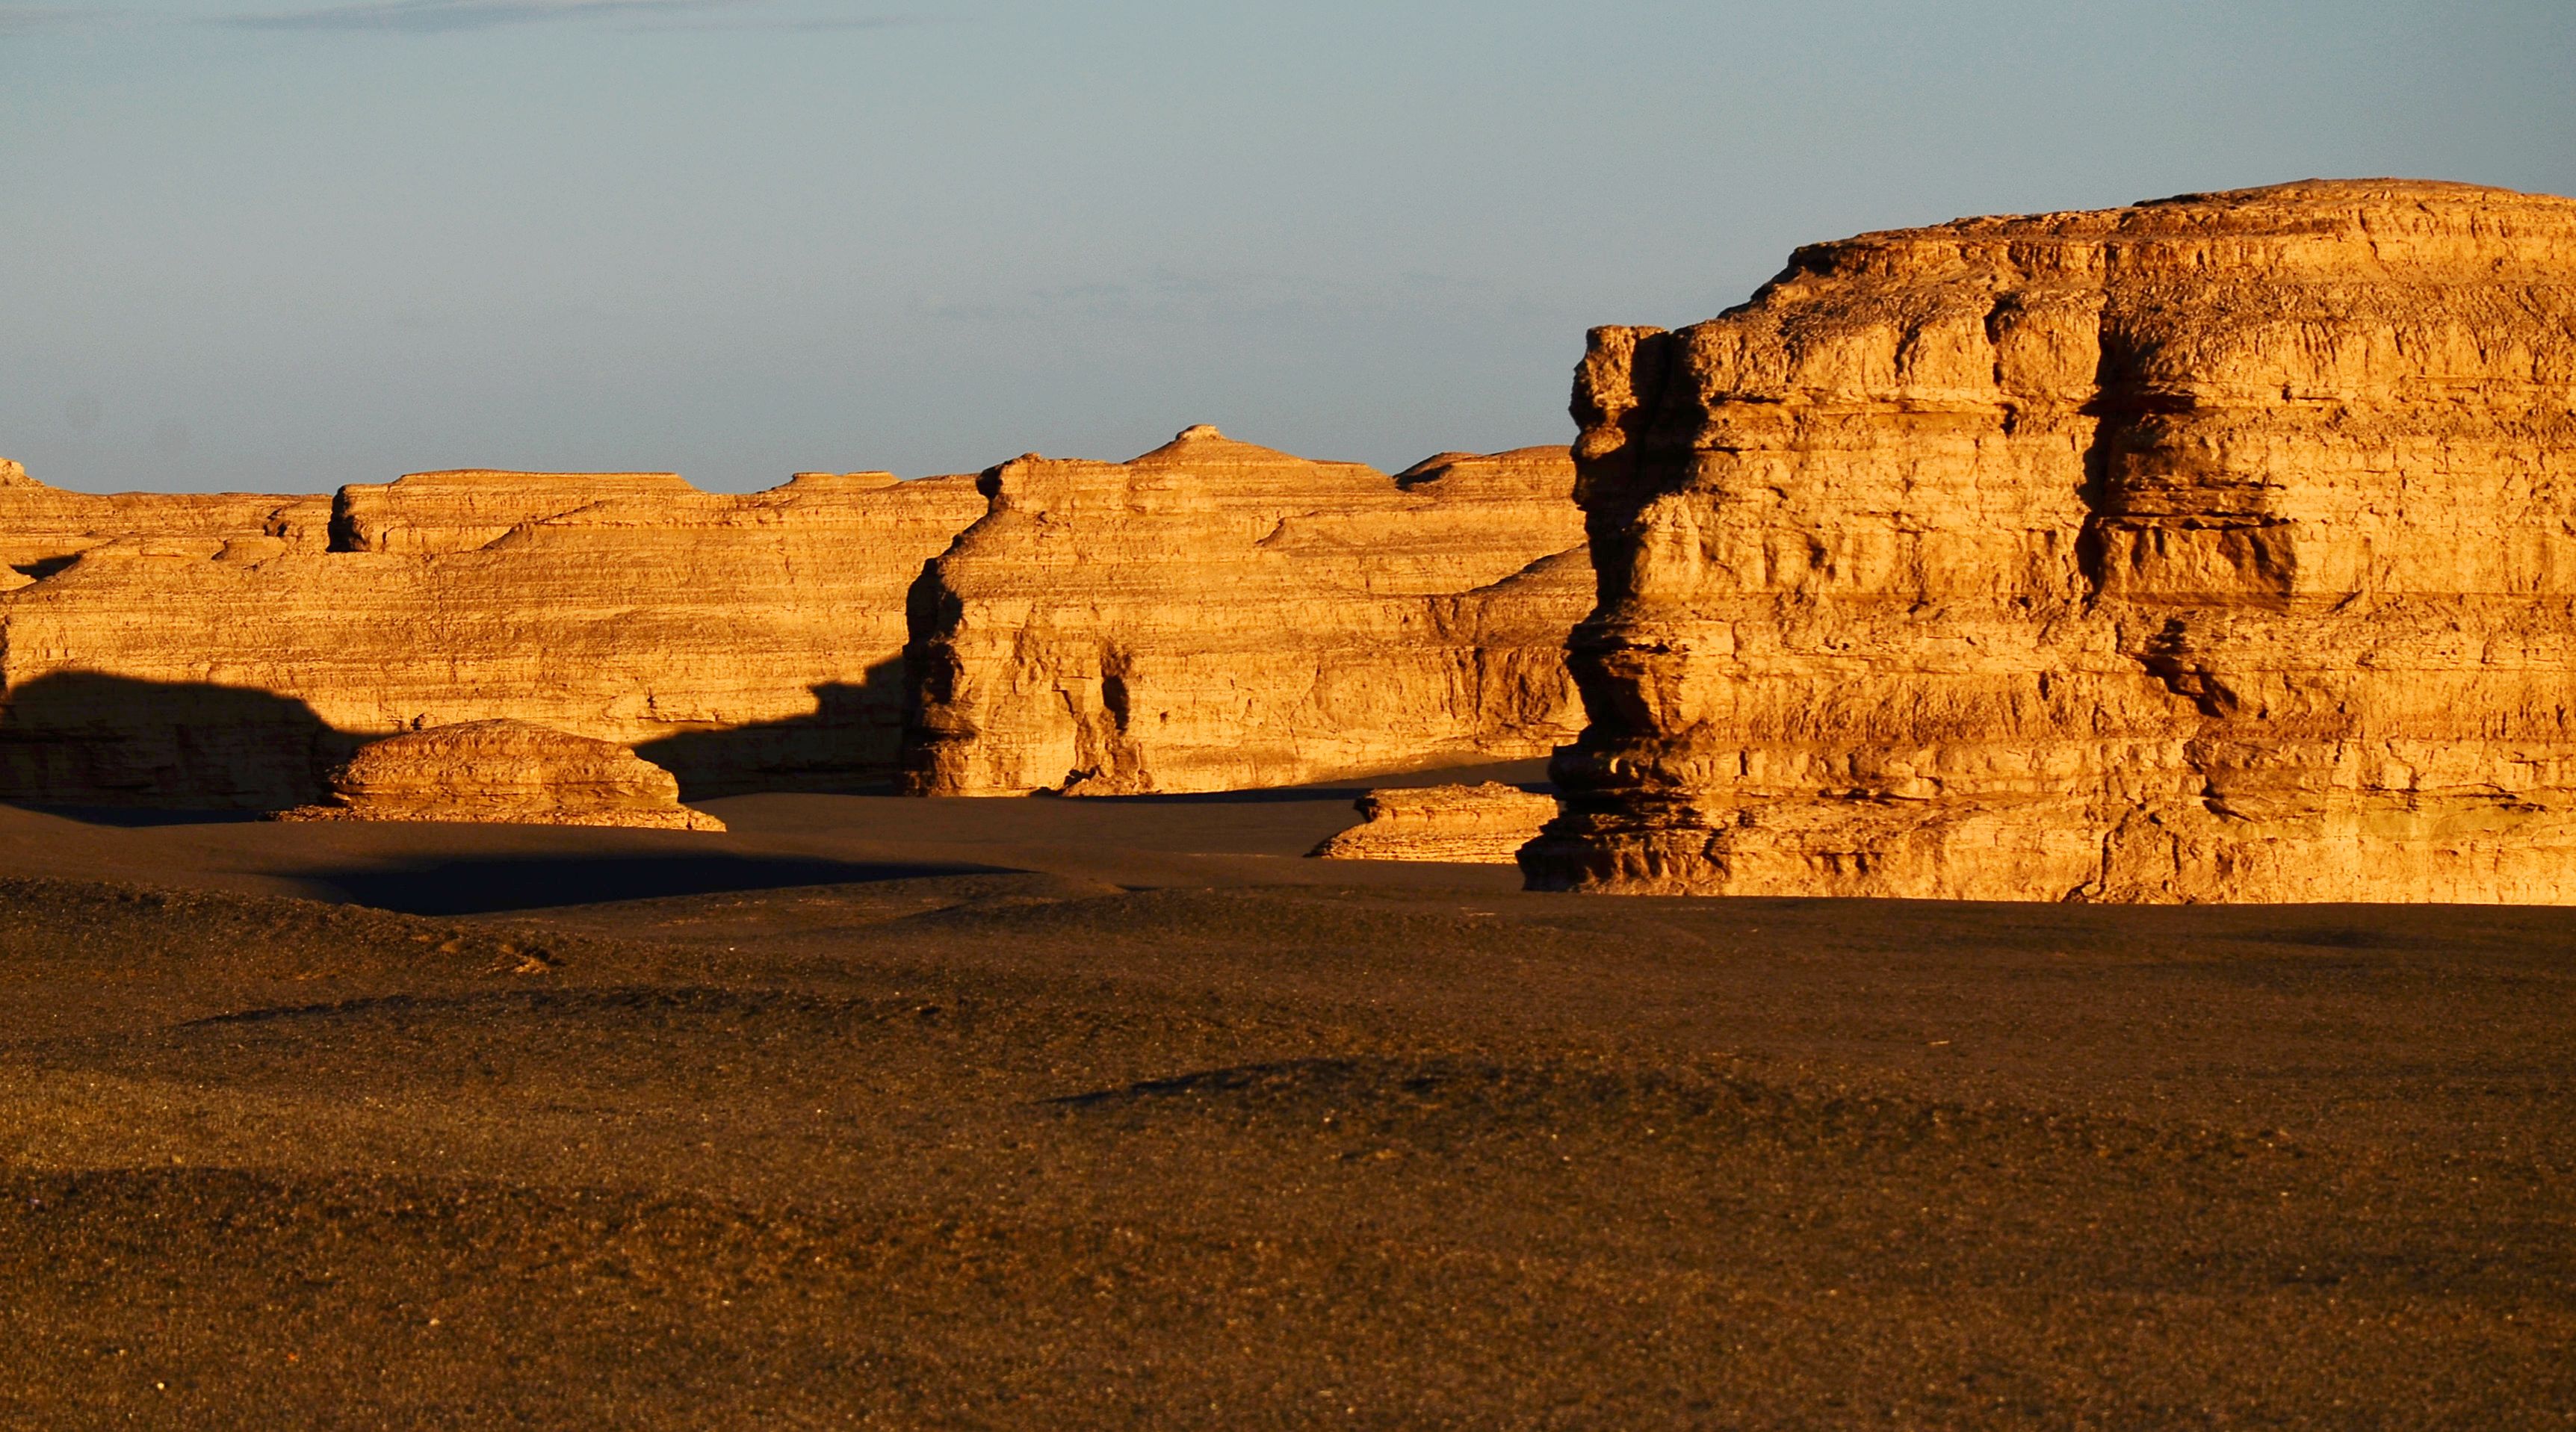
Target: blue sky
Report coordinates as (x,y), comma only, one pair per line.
(281,245)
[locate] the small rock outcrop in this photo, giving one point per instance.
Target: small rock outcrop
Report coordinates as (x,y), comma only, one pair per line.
(1479,825)
(2215,548)
(508,773)
(1215,615)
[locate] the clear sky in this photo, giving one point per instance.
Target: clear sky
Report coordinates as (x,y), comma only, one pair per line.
(285,244)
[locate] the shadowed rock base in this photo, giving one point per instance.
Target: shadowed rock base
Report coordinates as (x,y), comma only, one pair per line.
(505,772)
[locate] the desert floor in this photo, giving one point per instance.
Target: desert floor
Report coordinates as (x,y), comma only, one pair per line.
(1119,1113)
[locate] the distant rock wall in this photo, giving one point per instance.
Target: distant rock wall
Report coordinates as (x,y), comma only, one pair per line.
(228,650)
(1215,615)
(2219,548)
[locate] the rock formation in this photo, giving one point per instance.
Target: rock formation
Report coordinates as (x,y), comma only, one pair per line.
(1215,615)
(2216,548)
(42,529)
(1480,825)
(504,772)
(226,651)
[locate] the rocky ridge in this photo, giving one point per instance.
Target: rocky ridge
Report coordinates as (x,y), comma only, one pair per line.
(44,529)
(2215,548)
(1216,615)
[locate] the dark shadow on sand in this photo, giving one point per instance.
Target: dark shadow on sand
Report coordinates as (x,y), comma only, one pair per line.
(1527,775)
(136,817)
(487,884)
(1267,795)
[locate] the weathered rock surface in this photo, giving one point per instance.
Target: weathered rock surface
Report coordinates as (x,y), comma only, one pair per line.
(2218,548)
(1483,824)
(227,651)
(1215,615)
(42,528)
(504,772)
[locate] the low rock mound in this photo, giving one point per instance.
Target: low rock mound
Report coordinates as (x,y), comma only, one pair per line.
(1475,825)
(507,773)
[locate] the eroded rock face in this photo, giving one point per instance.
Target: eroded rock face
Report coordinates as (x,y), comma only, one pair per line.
(226,651)
(43,529)
(2217,548)
(504,772)
(1483,824)
(1216,615)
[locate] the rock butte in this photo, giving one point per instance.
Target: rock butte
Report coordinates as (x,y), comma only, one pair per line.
(504,772)
(2217,548)
(1481,824)
(1215,615)
(227,650)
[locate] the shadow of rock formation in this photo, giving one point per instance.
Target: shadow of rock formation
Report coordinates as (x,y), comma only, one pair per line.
(483,885)
(78,738)
(847,744)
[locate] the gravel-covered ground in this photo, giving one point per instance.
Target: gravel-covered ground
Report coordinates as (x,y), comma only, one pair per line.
(1049,1125)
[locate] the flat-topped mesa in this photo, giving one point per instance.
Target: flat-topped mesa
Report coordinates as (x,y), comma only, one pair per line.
(1215,615)
(507,773)
(2210,549)
(744,641)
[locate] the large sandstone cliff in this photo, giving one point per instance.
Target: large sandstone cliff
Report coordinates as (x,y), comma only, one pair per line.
(1215,615)
(2218,548)
(229,650)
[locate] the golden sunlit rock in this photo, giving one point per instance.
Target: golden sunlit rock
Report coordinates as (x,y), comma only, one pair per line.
(1215,615)
(226,650)
(2216,548)
(505,773)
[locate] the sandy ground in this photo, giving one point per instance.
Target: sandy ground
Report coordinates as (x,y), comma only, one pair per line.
(1067,1113)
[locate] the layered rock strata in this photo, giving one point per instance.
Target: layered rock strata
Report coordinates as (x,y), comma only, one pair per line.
(504,772)
(42,529)
(1215,615)
(2216,548)
(227,651)
(1483,824)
